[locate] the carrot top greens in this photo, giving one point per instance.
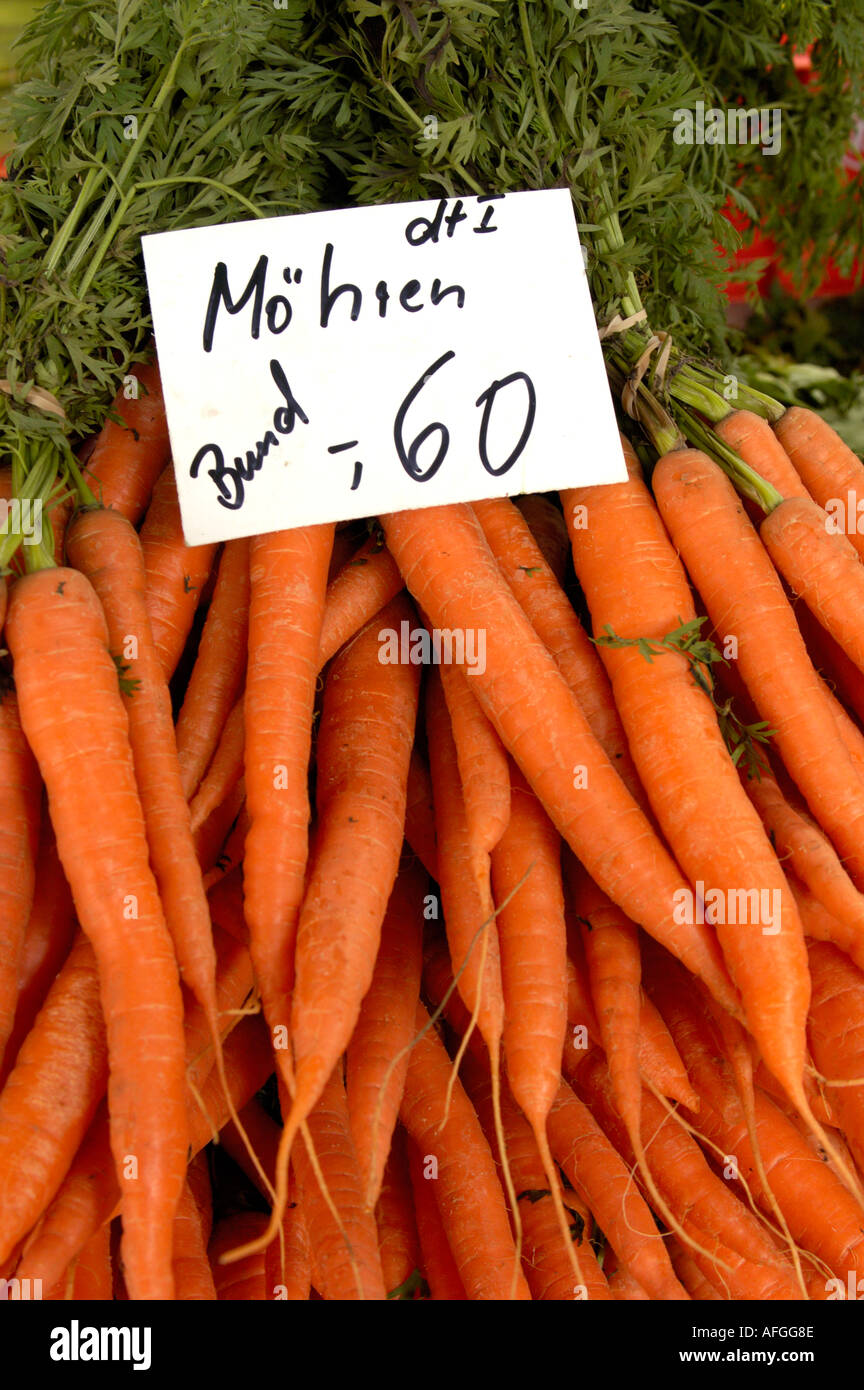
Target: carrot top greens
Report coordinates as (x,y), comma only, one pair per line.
(134,116)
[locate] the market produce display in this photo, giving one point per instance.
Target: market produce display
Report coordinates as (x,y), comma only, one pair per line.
(325,975)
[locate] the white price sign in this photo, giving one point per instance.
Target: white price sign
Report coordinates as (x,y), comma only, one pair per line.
(343,364)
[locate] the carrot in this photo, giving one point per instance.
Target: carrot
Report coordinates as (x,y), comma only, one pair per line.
(398,1242)
(219,669)
(539,722)
(354,1274)
(809,853)
(104,546)
(130,452)
(287,1265)
(697,1284)
(601,1178)
(20,803)
(836,1031)
(467,901)
(527,864)
(193,1278)
(229,821)
(821,1214)
(832,474)
(611,944)
(176,573)
(637,589)
(63,1068)
(744,597)
(549,530)
(545,1256)
(625,1288)
(472,936)
(822,568)
(377,1056)
(753,438)
(51,1095)
(288,571)
(545,604)
(58,639)
(704,1207)
(439,1266)
(840,674)
(225,770)
(467,1190)
(484,770)
(47,940)
(90,1193)
(420,814)
(821,925)
(246,1279)
(94,1279)
(364,747)
(366,583)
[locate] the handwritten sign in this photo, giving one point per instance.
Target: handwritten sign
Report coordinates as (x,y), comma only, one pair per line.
(343,364)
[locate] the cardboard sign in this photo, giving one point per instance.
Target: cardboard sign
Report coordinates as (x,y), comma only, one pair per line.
(345,364)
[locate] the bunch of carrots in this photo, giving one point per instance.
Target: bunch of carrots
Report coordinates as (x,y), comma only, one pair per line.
(407,944)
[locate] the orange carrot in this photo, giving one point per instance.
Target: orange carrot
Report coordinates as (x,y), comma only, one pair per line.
(20,802)
(539,721)
(58,639)
(484,771)
(809,853)
(224,771)
(131,452)
(545,1259)
(340,1273)
(611,944)
(90,1193)
(420,814)
(822,568)
(527,864)
(821,925)
(758,445)
(549,530)
(600,1176)
(193,1278)
(464,906)
(714,832)
(821,1214)
(364,747)
(219,669)
(176,573)
(744,597)
(51,1096)
(832,474)
(398,1242)
(368,581)
(287,1264)
(836,1031)
(104,546)
(543,601)
(246,1279)
(47,940)
(375,1064)
(288,572)
(467,1190)
(439,1266)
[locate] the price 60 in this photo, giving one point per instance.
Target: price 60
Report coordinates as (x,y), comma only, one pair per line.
(408,454)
